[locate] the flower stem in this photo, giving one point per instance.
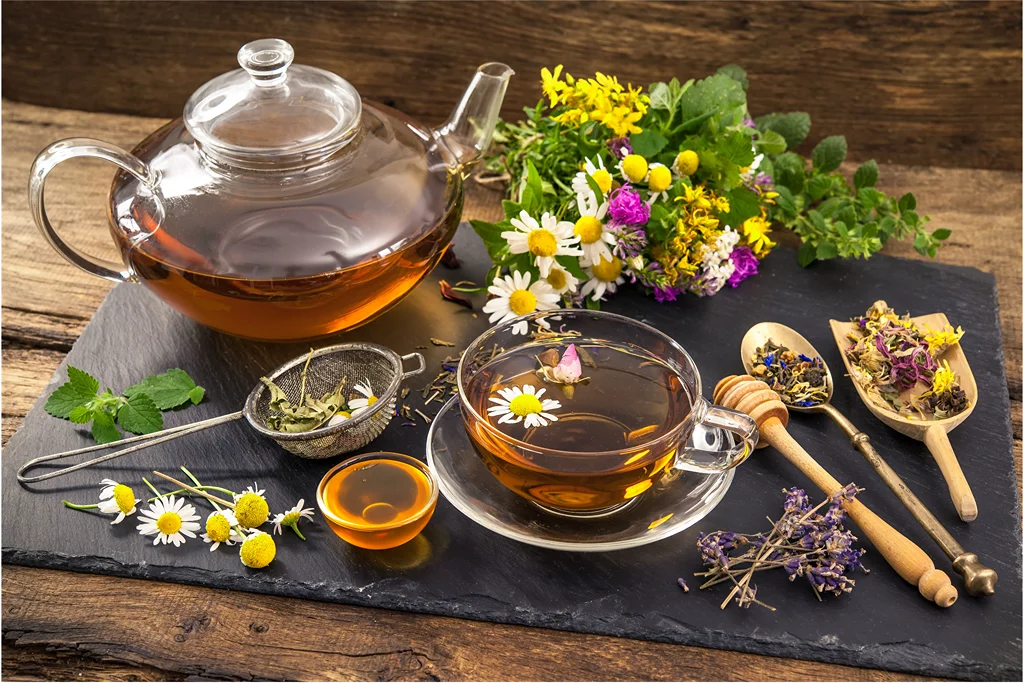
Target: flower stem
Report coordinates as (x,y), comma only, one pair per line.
(295,528)
(79,507)
(152,488)
(198,485)
(186,491)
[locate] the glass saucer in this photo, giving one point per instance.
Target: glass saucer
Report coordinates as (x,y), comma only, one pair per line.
(676,502)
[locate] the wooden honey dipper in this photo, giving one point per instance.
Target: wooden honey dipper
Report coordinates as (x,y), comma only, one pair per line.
(756,399)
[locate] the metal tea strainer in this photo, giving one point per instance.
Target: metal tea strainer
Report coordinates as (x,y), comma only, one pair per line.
(378,365)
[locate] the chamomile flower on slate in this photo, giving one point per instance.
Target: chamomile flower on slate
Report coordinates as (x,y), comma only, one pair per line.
(524,404)
(258,550)
(290,518)
(544,241)
(170,520)
(117,499)
(220,528)
(251,507)
(358,405)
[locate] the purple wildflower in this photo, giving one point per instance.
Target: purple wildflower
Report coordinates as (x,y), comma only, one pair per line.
(620,147)
(625,207)
(745,263)
(630,241)
(749,122)
(663,293)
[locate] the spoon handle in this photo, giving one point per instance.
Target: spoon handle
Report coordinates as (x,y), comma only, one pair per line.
(937,440)
(979,579)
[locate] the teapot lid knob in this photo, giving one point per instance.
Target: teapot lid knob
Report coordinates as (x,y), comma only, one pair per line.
(266,60)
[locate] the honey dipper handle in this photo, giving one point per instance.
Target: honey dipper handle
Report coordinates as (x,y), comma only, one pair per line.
(937,440)
(902,554)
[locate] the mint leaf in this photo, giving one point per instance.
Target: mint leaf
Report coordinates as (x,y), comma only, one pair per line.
(79,390)
(789,172)
(829,153)
(771,143)
(167,390)
(718,94)
(103,429)
(743,204)
(942,234)
(817,186)
(647,143)
(83,380)
(736,73)
(196,395)
(737,149)
(827,250)
(794,126)
(907,202)
(81,415)
(806,254)
(661,96)
(140,415)
(866,175)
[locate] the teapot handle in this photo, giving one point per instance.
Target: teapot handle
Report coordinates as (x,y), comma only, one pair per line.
(69,149)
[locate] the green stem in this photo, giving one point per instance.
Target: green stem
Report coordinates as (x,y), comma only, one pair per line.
(186,491)
(295,528)
(199,486)
(151,488)
(79,507)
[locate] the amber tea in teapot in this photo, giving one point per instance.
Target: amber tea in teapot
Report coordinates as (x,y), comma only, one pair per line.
(281,205)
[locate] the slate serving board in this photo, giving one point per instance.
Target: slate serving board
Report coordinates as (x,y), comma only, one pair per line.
(460,569)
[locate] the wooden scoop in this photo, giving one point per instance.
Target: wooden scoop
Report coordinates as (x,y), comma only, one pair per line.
(755,398)
(932,432)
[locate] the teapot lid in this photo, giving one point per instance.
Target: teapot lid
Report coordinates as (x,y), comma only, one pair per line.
(272,113)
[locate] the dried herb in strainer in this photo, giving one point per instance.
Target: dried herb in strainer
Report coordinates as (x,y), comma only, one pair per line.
(308,413)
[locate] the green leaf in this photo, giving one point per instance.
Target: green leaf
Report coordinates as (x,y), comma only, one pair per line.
(789,171)
(718,94)
(196,395)
(167,390)
(743,204)
(140,415)
(829,153)
(785,199)
(817,219)
(572,265)
(870,197)
(661,96)
(512,209)
(826,250)
(942,234)
(866,175)
(736,149)
(66,398)
(81,415)
(907,202)
(737,74)
(594,187)
(490,233)
(593,305)
(647,143)
(83,380)
(771,143)
(817,186)
(103,429)
(794,126)
(806,254)
(533,192)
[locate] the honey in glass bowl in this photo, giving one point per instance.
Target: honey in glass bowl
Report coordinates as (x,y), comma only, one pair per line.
(378,500)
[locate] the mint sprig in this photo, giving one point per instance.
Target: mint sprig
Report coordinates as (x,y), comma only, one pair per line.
(138,411)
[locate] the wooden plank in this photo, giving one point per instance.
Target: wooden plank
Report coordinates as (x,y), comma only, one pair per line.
(203,633)
(924,83)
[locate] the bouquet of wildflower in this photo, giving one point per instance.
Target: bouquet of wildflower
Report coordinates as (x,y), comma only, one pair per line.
(671,189)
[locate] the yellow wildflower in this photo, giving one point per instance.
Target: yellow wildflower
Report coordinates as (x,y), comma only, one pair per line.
(601,98)
(937,341)
(755,231)
(552,85)
(944,379)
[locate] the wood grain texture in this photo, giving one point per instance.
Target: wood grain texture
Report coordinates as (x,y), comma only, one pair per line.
(924,83)
(46,303)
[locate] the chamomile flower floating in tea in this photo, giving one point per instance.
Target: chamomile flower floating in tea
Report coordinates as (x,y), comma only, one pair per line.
(358,405)
(291,518)
(595,240)
(523,404)
(605,277)
(251,509)
(799,380)
(546,240)
(258,550)
(169,520)
(514,296)
(220,528)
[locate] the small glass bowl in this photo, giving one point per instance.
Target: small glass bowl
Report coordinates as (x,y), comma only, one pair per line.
(385,535)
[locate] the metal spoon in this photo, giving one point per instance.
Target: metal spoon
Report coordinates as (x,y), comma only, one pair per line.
(979,579)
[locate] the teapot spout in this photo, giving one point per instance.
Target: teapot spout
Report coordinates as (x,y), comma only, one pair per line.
(467,132)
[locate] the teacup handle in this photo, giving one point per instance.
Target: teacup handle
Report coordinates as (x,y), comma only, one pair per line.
(46,162)
(720,440)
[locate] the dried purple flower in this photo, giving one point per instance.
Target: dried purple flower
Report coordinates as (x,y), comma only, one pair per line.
(745,264)
(625,207)
(682,584)
(620,147)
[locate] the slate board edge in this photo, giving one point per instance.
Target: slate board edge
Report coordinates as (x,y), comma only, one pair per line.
(927,661)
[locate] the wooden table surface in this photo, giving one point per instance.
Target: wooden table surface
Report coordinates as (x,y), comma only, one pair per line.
(62,625)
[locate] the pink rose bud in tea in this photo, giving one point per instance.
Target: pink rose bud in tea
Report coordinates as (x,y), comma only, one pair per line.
(569,368)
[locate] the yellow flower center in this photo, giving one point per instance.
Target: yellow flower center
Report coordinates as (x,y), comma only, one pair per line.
(687,162)
(634,167)
(943,380)
(660,179)
(603,179)
(251,510)
(124,497)
(370,401)
(608,271)
(525,404)
(542,242)
(588,229)
(217,528)
(169,523)
(522,301)
(556,278)
(258,551)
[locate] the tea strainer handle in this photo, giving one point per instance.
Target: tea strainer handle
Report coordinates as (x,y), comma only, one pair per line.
(70,149)
(413,356)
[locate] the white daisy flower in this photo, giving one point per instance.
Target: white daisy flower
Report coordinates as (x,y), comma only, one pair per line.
(545,241)
(599,173)
(605,276)
(514,296)
(524,405)
(117,499)
(358,405)
(170,519)
(339,417)
(659,180)
(595,240)
(220,528)
(562,281)
(291,518)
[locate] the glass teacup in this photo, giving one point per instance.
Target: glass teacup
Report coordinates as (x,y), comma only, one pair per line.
(587,439)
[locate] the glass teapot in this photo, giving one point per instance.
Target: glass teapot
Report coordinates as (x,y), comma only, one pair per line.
(282,206)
